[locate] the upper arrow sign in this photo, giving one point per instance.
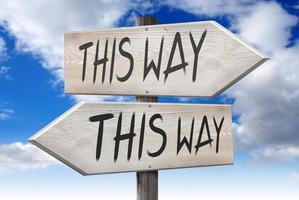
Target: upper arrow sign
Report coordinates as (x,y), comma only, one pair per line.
(187,59)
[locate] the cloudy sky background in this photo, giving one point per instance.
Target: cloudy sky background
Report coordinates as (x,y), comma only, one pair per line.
(265,103)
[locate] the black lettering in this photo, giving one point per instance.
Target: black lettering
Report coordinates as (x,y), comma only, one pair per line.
(99,62)
(161,132)
(127,55)
(180,143)
(141,136)
(204,124)
(196,50)
(152,65)
(176,42)
(85,47)
(112,60)
(100,119)
(120,137)
(218,130)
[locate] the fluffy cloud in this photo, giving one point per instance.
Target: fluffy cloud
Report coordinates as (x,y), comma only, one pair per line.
(2,48)
(267,102)
(273,154)
(5,114)
(4,72)
(39,25)
(267,99)
(267,26)
(211,8)
(17,156)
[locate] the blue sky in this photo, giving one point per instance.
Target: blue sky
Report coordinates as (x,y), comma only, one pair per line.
(264,103)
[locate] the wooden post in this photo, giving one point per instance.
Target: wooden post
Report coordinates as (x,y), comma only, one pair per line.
(147,182)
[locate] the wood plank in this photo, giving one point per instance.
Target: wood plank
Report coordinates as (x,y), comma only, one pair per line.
(73,137)
(223,59)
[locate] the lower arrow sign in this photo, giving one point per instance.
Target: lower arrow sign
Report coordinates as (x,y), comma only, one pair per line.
(96,138)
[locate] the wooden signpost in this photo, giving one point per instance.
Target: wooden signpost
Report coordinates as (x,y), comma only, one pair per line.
(189,59)
(96,138)
(147,181)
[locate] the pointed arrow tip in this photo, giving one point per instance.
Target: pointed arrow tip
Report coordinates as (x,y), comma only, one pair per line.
(33,138)
(241,40)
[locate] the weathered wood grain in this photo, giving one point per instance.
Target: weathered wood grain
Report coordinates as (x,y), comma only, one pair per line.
(147,182)
(222,60)
(147,185)
(72,138)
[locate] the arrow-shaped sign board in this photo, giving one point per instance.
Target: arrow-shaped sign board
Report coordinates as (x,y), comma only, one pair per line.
(96,138)
(186,59)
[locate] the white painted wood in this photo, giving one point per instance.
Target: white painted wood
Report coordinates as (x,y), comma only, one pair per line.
(72,138)
(222,60)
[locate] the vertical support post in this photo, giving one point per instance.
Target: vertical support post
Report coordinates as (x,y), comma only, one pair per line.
(147,182)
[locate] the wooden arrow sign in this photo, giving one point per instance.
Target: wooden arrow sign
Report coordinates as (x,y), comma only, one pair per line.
(95,138)
(186,59)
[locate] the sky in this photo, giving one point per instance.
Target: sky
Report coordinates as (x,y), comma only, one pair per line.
(264,103)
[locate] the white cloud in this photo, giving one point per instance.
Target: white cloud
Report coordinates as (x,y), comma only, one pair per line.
(262,23)
(211,8)
(39,25)
(4,73)
(5,114)
(4,70)
(274,154)
(2,48)
(267,99)
(267,26)
(17,156)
